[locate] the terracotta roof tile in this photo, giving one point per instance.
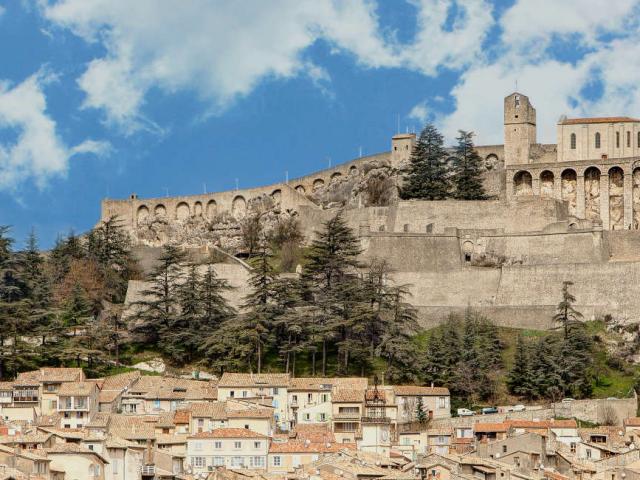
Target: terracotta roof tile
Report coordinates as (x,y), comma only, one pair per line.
(79,388)
(254,380)
(229,433)
(577,121)
(490,427)
(214,410)
(632,422)
(417,390)
(302,446)
(344,395)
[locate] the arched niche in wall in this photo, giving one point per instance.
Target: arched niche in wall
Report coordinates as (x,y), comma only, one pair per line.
(335,176)
(212,209)
(142,214)
(635,197)
(616,198)
(183,211)
(569,187)
(522,183)
(276,196)
(197,209)
(467,250)
(592,193)
(239,207)
(318,183)
(160,211)
(546,184)
(491,161)
(301,190)
(353,170)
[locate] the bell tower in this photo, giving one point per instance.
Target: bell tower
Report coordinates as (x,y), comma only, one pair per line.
(519,129)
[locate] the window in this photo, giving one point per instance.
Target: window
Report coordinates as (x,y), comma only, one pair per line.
(237,445)
(573,141)
(246,427)
(257,444)
(256,462)
(309,397)
(325,397)
(51,388)
(517,101)
(275,390)
(244,394)
(628,139)
(573,447)
(307,416)
(217,444)
(156,404)
(78,414)
(277,461)
(442,402)
(90,447)
(588,453)
(323,417)
(294,398)
(198,462)
(504,449)
(232,393)
(617,139)
(237,461)
(598,140)
(66,425)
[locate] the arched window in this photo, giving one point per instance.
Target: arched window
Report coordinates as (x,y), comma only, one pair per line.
(573,141)
(597,139)
(617,139)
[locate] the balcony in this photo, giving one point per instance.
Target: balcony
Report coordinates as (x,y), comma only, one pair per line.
(347,416)
(376,419)
(148,470)
(25,398)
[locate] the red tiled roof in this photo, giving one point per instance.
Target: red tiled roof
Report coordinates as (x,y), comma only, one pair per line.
(298,446)
(490,427)
(416,390)
(229,433)
(632,422)
(576,121)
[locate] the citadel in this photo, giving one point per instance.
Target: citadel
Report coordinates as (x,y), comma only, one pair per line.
(568,211)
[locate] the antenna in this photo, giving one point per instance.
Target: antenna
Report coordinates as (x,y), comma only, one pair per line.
(236,184)
(329,159)
(166,190)
(286,176)
(204,188)
(360,152)
(516,84)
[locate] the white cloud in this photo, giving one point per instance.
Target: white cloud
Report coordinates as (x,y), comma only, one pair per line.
(555,85)
(2,10)
(37,153)
(222,50)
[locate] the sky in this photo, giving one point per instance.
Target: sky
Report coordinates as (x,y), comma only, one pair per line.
(102,98)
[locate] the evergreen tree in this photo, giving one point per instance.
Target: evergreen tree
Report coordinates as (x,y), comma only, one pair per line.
(421,415)
(575,361)
(159,306)
(467,169)
(215,308)
(544,365)
(328,280)
(427,175)
(566,315)
(519,378)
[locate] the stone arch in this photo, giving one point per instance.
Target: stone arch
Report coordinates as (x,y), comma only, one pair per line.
(301,190)
(592,193)
(635,198)
(353,170)
(276,195)
(616,198)
(546,184)
(569,189)
(239,207)
(522,183)
(142,214)
(318,183)
(491,161)
(197,209)
(467,250)
(183,211)
(335,176)
(160,211)
(212,209)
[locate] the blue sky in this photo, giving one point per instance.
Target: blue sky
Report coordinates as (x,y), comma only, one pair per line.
(107,97)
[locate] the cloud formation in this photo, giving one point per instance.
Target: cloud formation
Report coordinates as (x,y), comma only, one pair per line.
(30,148)
(221,50)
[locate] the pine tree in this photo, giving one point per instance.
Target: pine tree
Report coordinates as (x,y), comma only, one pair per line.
(159,306)
(421,415)
(544,366)
(328,280)
(575,361)
(467,169)
(566,315)
(261,310)
(427,175)
(519,378)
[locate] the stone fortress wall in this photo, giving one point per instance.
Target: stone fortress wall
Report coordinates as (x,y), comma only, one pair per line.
(555,214)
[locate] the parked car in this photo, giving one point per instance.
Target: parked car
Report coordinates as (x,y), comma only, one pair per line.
(519,408)
(488,410)
(465,412)
(567,400)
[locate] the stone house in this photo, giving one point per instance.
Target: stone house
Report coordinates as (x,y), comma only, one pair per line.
(77,461)
(272,386)
(227,447)
(486,432)
(435,402)
(123,458)
(77,403)
(347,410)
